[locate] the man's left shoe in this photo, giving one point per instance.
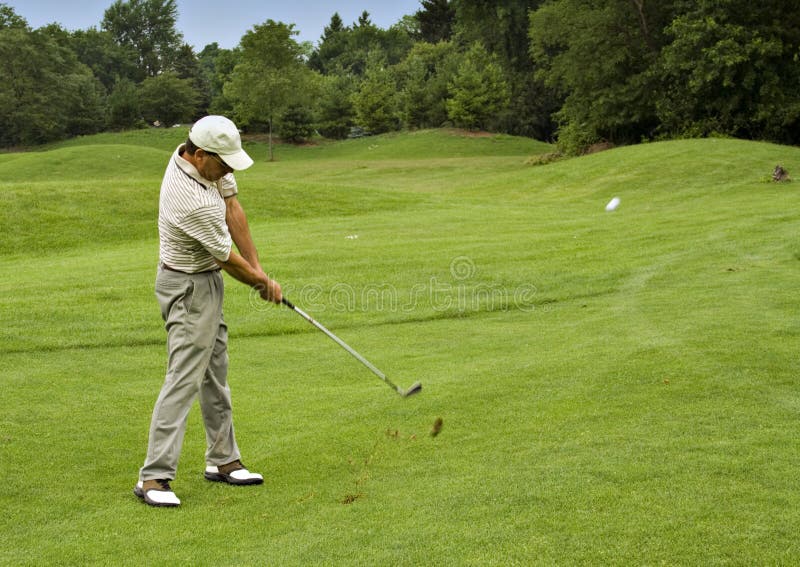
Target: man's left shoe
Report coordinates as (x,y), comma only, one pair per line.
(233,473)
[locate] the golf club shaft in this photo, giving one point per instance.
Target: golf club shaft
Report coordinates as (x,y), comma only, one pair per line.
(341,343)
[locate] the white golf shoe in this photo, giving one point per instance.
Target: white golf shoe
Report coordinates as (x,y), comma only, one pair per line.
(156,493)
(233,473)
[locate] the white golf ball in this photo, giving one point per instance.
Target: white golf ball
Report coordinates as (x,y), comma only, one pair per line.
(612,204)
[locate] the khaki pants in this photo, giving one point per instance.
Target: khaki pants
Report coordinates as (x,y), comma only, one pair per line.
(197,345)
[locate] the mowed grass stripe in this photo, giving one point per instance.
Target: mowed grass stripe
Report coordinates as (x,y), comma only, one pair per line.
(636,404)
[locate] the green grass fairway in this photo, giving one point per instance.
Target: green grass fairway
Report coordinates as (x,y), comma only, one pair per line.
(615,388)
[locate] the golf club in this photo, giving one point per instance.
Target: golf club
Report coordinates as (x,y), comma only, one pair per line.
(416,387)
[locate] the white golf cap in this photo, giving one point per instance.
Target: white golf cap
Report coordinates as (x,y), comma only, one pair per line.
(219,135)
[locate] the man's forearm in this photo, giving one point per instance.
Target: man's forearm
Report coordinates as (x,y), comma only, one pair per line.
(240,232)
(242,270)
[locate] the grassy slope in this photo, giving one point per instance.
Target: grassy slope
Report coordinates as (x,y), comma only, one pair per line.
(615,388)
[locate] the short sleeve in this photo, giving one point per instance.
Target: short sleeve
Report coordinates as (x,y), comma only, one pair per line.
(227,186)
(206,226)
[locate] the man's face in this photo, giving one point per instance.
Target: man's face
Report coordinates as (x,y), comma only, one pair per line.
(211,165)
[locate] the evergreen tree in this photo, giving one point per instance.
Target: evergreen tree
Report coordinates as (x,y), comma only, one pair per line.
(479,92)
(336,25)
(502,26)
(364,21)
(296,124)
(346,50)
(331,47)
(375,102)
(336,113)
(187,66)
(424,77)
(436,20)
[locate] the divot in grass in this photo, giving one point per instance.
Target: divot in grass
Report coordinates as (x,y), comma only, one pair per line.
(361,467)
(437,427)
(351,498)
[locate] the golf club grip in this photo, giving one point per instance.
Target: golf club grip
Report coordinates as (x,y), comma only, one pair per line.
(287,303)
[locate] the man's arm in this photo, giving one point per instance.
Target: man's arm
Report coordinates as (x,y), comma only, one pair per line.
(240,231)
(243,271)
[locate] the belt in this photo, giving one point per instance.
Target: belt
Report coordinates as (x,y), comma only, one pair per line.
(163,266)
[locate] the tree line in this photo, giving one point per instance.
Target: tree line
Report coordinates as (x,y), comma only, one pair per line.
(574,71)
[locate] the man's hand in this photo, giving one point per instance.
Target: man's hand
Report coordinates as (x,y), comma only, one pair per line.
(271,291)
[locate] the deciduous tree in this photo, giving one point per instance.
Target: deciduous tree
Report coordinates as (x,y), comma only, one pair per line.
(107,59)
(217,65)
(599,56)
(45,93)
(271,76)
(148,27)
(168,99)
(732,67)
(123,107)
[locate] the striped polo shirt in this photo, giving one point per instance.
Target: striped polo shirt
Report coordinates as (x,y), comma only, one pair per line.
(191,217)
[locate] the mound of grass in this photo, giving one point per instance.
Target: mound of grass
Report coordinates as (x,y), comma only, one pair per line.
(157,138)
(614,388)
(90,164)
(417,145)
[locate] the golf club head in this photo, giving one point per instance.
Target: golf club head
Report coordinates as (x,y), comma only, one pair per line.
(415,387)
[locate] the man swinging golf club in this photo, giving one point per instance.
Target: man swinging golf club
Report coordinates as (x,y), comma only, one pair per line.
(199,219)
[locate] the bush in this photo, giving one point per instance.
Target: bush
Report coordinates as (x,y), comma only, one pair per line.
(575,138)
(296,124)
(123,106)
(167,99)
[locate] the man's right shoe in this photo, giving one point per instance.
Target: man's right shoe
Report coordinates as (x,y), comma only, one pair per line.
(156,493)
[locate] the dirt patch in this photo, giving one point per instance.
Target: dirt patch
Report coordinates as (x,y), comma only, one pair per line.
(437,427)
(351,498)
(599,147)
(544,159)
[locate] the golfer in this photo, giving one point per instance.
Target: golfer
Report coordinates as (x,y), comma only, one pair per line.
(199,219)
